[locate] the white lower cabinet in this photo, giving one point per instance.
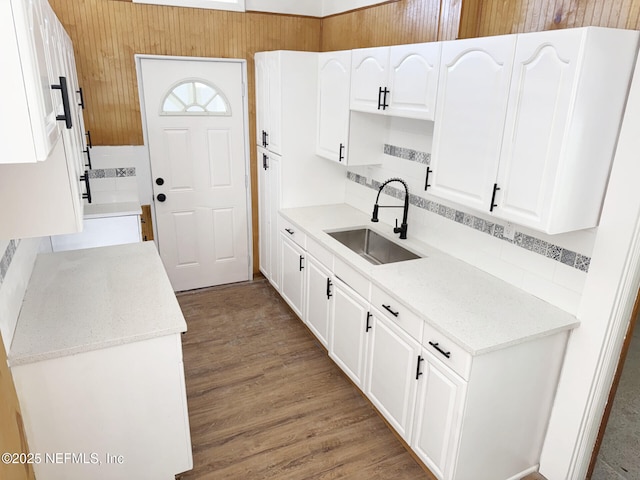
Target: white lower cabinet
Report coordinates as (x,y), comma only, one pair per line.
(348,329)
(393,368)
(292,259)
(438,416)
(319,295)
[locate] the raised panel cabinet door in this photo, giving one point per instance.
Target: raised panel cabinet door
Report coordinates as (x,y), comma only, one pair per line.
(348,332)
(264,233)
(438,416)
(274,193)
(369,75)
(262,97)
(293,263)
(394,367)
(334,84)
(413,80)
(541,100)
(274,114)
(319,297)
(471,106)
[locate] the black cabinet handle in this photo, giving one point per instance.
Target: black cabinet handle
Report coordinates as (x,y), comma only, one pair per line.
(266,139)
(379,98)
(88,164)
(85,178)
(161,197)
(426,181)
(81,97)
(66,118)
(301,259)
(341,155)
(436,345)
(384,98)
(388,309)
(368,324)
(289,231)
(88,135)
(418,372)
(493,197)
(265,165)
(329,295)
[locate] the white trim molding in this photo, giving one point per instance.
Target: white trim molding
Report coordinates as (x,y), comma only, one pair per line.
(605,310)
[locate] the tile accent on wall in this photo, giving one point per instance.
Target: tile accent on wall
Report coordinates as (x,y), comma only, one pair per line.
(408,154)
(7,257)
(112,172)
(522,240)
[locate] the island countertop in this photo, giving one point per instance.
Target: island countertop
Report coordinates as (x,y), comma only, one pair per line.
(82,300)
(475,309)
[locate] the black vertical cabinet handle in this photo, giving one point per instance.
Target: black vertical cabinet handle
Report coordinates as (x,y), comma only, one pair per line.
(81,97)
(493,197)
(384,98)
(418,372)
(88,164)
(379,98)
(301,259)
(265,165)
(266,139)
(66,118)
(88,135)
(329,295)
(85,178)
(426,180)
(368,327)
(341,155)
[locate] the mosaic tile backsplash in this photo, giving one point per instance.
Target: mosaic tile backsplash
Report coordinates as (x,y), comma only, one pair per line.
(7,257)
(528,242)
(112,172)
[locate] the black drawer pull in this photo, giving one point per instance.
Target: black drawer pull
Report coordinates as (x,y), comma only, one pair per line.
(436,345)
(85,178)
(66,118)
(388,309)
(418,372)
(289,231)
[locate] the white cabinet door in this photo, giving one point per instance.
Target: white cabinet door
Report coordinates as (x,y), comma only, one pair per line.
(262,97)
(268,204)
(439,410)
(319,295)
(348,332)
(413,80)
(274,114)
(293,263)
(369,78)
(471,108)
(334,82)
(392,372)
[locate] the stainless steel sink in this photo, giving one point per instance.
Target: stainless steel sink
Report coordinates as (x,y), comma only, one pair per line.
(373,246)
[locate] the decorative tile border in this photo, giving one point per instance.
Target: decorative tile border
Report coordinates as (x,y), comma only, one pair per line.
(112,172)
(408,154)
(7,257)
(522,240)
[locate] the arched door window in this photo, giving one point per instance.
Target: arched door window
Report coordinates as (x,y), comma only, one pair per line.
(195,97)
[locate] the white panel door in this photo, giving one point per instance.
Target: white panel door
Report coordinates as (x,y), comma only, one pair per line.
(540,105)
(319,295)
(334,83)
(369,68)
(394,360)
(471,108)
(413,80)
(348,332)
(195,119)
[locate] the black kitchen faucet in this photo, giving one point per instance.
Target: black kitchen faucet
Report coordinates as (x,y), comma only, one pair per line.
(402,229)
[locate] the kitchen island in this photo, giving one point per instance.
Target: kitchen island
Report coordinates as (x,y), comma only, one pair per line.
(97,362)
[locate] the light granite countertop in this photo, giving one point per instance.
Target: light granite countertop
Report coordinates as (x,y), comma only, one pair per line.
(83,300)
(475,309)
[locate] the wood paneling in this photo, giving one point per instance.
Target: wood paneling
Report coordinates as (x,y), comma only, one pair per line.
(146,223)
(496,17)
(12,437)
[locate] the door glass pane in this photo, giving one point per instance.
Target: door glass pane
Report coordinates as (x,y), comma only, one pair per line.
(195,97)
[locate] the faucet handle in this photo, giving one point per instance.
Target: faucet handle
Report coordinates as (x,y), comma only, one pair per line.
(396,229)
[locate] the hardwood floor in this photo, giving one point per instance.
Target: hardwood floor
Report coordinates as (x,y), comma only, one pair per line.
(266,402)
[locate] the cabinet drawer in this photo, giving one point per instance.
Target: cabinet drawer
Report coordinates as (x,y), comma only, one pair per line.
(355,280)
(291,231)
(322,254)
(397,312)
(448,352)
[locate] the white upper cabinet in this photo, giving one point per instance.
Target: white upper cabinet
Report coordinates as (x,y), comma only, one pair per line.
(526,125)
(567,95)
(472,101)
(400,80)
(269,101)
(334,82)
(30,67)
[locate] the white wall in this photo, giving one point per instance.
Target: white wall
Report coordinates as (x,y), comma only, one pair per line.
(538,274)
(121,189)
